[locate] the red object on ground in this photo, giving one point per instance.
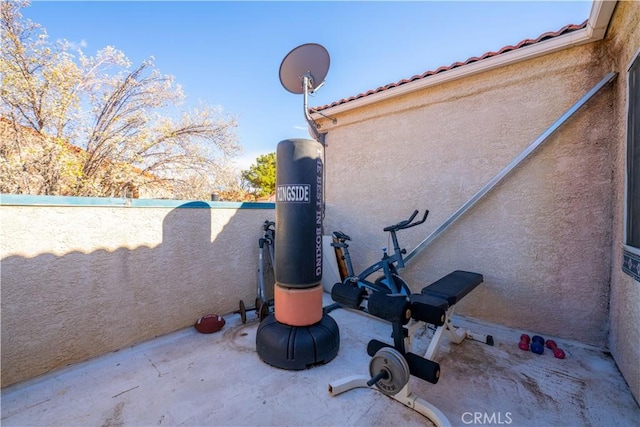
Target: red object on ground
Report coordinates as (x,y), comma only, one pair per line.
(524,342)
(209,324)
(557,352)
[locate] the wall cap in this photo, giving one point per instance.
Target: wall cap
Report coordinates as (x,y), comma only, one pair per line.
(33,200)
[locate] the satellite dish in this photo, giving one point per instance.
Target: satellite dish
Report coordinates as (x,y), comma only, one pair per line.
(303,71)
(307,63)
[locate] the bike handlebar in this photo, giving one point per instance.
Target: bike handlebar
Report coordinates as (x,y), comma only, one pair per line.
(407,222)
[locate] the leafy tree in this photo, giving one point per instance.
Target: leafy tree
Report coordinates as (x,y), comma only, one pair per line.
(100,123)
(262,175)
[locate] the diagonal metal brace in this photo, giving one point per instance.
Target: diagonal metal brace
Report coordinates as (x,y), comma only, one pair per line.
(514,163)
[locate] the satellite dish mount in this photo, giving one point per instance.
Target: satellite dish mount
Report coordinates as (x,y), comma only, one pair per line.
(303,71)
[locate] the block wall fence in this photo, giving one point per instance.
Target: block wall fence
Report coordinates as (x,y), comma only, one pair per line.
(85,276)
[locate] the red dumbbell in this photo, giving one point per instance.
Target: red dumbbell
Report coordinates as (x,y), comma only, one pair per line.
(557,352)
(524,342)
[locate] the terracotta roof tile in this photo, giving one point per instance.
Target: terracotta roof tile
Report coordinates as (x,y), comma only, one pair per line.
(527,42)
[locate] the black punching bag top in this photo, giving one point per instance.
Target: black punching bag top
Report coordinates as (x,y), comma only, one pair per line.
(298,243)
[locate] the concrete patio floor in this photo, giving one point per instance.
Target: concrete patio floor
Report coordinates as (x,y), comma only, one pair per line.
(187,378)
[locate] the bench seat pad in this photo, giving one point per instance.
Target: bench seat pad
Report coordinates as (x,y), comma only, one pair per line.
(428,308)
(454,286)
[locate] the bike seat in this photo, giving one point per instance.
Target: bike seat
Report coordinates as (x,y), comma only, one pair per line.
(341,236)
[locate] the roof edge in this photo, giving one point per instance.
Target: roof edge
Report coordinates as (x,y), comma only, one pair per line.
(599,18)
(594,30)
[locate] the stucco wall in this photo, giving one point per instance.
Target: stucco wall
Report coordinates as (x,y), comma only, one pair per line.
(623,43)
(79,281)
(541,238)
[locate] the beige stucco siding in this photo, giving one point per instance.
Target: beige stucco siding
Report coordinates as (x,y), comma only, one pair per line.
(82,281)
(548,239)
(540,238)
(623,43)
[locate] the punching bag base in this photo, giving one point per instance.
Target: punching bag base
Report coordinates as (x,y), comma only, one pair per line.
(297,347)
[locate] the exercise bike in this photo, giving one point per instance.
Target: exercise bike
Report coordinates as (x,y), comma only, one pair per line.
(355,287)
(266,278)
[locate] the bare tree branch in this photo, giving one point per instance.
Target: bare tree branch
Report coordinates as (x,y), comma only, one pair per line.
(122,141)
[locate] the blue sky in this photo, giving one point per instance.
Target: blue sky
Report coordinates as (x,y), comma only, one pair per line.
(229,53)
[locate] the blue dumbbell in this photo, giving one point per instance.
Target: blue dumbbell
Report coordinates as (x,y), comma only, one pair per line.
(537,344)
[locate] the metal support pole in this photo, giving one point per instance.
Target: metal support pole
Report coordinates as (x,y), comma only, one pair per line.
(313,128)
(514,163)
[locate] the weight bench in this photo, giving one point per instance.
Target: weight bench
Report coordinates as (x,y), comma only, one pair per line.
(435,305)
(392,365)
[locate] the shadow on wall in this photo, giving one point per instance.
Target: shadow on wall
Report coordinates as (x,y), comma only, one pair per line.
(58,310)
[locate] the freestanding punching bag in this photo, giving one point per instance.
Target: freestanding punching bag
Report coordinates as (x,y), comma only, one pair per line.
(298,334)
